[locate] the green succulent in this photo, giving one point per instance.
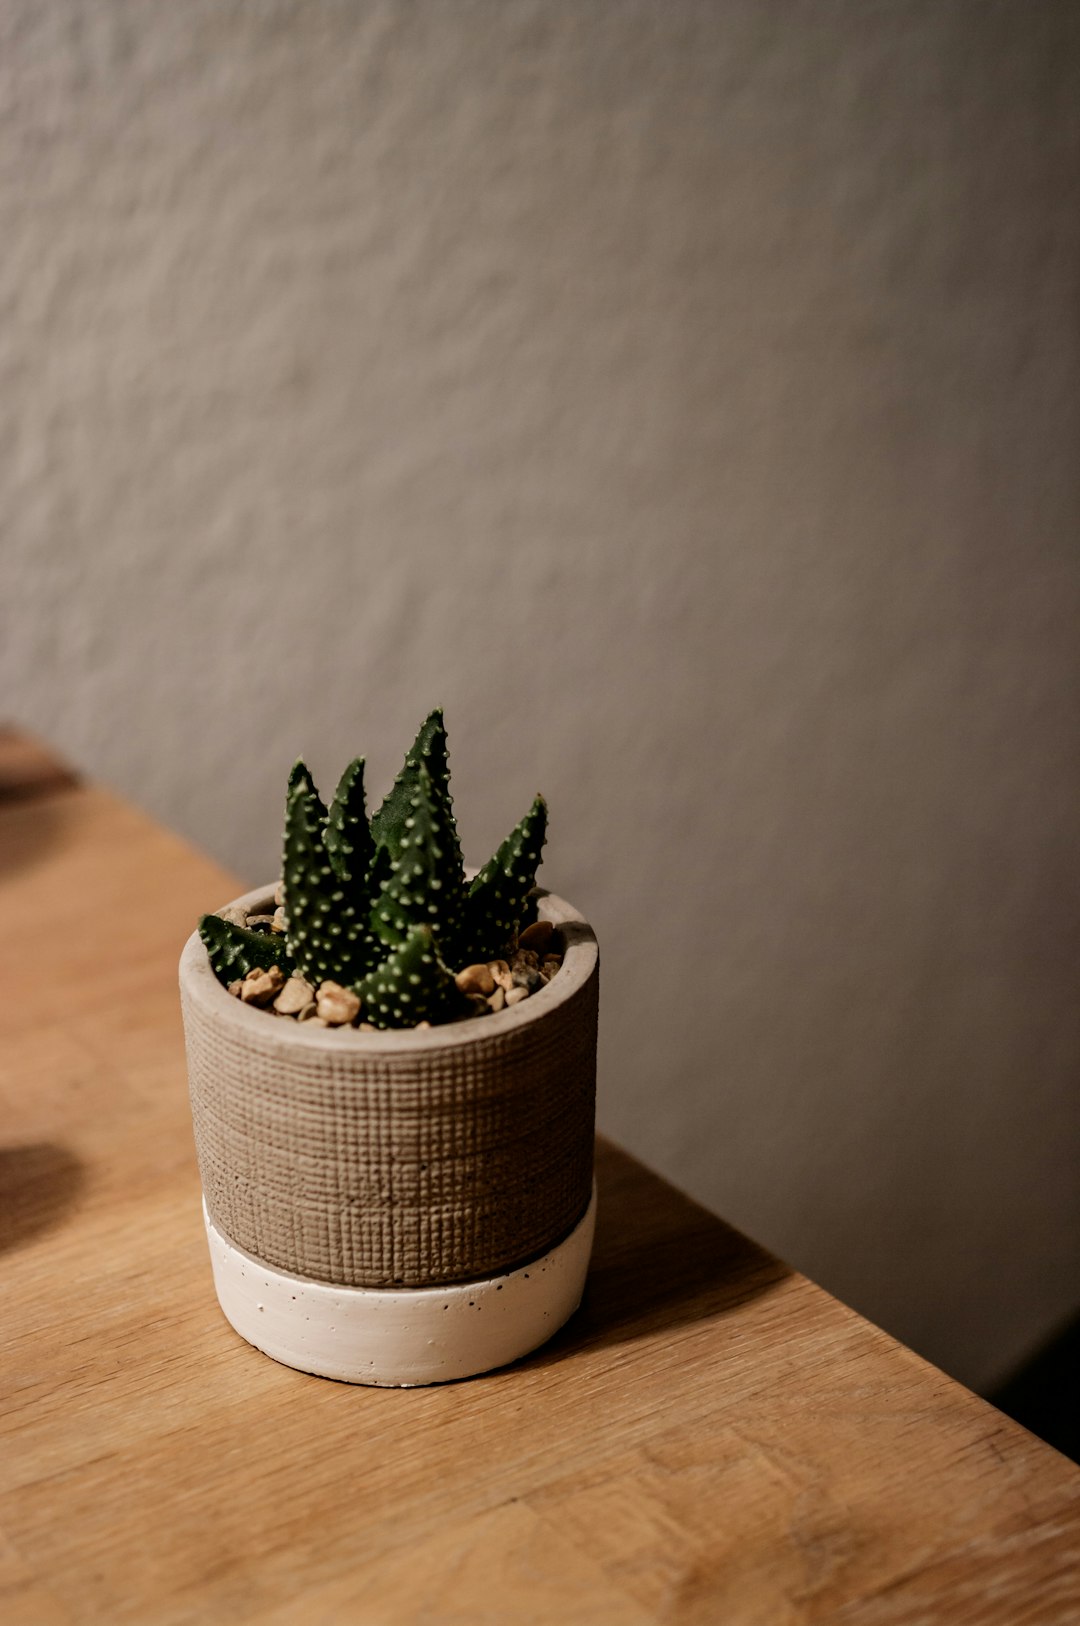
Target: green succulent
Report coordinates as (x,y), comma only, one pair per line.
(382,905)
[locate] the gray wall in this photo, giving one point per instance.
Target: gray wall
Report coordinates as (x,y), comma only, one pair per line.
(686,396)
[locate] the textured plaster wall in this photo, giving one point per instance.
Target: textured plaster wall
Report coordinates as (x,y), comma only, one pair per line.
(687,396)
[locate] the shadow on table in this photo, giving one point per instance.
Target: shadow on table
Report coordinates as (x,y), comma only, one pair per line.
(660,1261)
(1044,1395)
(31,777)
(38,1186)
(27,835)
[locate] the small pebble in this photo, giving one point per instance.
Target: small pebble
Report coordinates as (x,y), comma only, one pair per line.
(257,923)
(422,1026)
(366,1027)
(278,921)
(538,936)
(525,957)
(235,987)
(527,977)
(500,972)
(498,999)
(234,915)
(475,979)
(308,1013)
(516,995)
(294,996)
(337,1005)
(279,893)
(551,964)
(259,987)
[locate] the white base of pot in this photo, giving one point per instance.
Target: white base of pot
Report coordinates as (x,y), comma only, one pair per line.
(399,1337)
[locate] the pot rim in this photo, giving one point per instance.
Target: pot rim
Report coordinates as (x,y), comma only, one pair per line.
(201,986)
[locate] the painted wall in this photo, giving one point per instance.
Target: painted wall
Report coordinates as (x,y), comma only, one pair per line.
(688,397)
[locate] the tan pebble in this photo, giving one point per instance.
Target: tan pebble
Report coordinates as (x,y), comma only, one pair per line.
(366,1027)
(475,979)
(259,987)
(307,1013)
(317,1022)
(234,915)
(337,1005)
(498,999)
(279,921)
(525,957)
(294,996)
(255,921)
(235,987)
(537,936)
(516,995)
(500,971)
(422,1027)
(279,893)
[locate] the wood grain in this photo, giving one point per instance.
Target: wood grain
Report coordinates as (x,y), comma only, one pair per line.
(712,1439)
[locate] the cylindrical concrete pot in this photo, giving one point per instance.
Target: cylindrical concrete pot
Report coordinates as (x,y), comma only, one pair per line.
(404,1207)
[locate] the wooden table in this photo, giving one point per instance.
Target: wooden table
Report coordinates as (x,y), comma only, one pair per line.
(713,1439)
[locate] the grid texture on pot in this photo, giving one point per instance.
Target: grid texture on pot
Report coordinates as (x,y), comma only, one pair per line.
(395,1166)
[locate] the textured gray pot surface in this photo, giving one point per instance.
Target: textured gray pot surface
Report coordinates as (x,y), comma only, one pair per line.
(397,1159)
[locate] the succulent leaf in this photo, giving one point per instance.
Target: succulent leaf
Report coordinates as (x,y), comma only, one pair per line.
(422,885)
(349,843)
(411,985)
(328,935)
(384,907)
(498,903)
(429,750)
(234,951)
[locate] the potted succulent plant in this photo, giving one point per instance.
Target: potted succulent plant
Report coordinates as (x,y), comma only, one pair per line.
(392,1073)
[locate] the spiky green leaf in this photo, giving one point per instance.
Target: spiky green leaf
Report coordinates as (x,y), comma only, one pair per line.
(328,935)
(429,750)
(498,902)
(422,886)
(411,985)
(349,842)
(234,951)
